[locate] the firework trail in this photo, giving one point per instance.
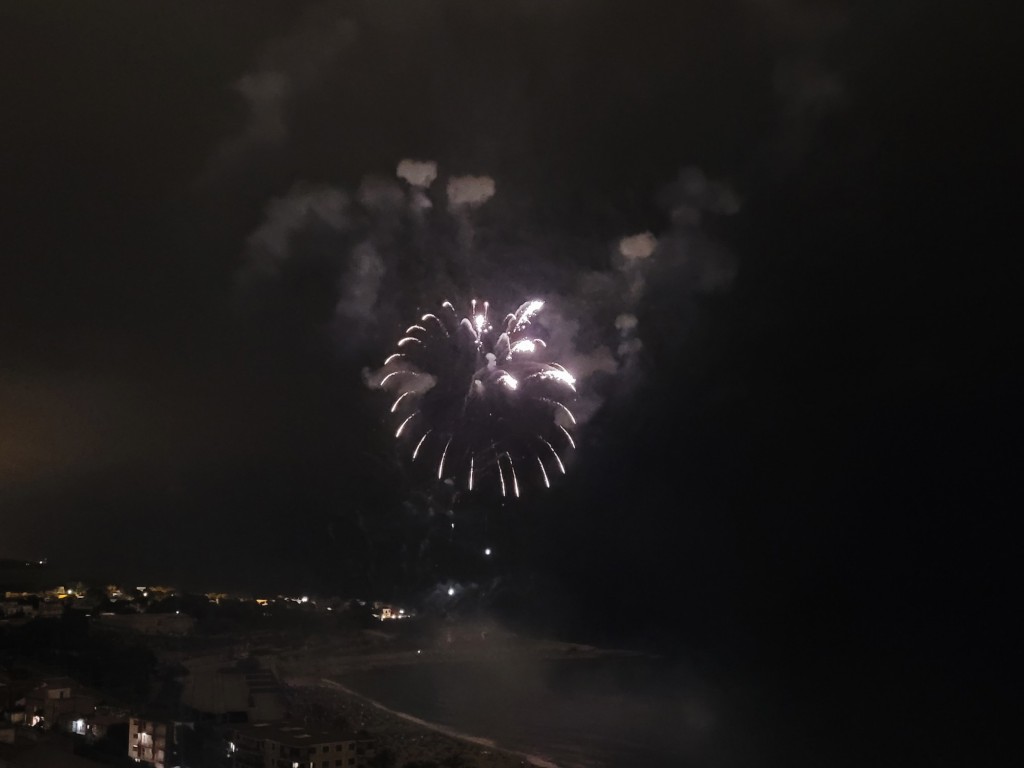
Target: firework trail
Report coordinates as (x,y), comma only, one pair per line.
(477,404)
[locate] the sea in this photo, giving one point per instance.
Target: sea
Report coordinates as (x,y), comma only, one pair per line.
(604,712)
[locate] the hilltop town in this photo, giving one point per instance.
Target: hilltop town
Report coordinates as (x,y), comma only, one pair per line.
(148,674)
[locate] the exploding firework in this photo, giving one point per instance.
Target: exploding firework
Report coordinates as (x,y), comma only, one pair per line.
(478,404)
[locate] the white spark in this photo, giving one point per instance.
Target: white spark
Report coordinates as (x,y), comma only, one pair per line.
(554,453)
(400,398)
(567,435)
(515,480)
(501,475)
(508,380)
(402,425)
(407,340)
(440,466)
(567,411)
(436,319)
(412,328)
(558,374)
(527,313)
(417,449)
(393,357)
(522,346)
(471,472)
(544,473)
(395,373)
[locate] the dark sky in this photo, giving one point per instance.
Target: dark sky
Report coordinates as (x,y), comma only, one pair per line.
(809,465)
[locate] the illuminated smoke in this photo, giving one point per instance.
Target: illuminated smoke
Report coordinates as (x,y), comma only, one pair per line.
(471,191)
(406,242)
(419,173)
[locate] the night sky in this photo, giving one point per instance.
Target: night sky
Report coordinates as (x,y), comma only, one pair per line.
(802,472)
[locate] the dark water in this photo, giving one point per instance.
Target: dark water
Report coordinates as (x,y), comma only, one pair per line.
(617,711)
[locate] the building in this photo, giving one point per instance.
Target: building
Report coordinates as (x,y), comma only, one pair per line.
(238,692)
(93,725)
(57,700)
(290,745)
(155,741)
(17,609)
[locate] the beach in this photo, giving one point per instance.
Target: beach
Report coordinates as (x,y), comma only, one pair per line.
(409,738)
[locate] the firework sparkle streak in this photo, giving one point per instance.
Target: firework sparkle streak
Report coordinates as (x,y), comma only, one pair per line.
(476,395)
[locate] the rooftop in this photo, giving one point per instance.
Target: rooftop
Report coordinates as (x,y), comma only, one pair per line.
(298,735)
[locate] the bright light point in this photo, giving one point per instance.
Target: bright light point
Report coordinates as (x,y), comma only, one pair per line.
(480,321)
(451,591)
(418,651)
(524,346)
(453,526)
(508,380)
(305,599)
(487,551)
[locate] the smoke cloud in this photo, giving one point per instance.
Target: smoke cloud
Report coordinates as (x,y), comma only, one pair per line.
(418,173)
(290,67)
(806,86)
(396,254)
(471,191)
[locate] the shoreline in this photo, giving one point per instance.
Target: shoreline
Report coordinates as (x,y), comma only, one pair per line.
(478,741)
(316,673)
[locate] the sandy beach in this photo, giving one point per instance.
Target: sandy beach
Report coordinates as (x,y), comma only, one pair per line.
(408,737)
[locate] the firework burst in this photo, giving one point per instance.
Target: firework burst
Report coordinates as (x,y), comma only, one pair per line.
(478,404)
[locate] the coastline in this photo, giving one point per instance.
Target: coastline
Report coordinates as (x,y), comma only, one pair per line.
(314,673)
(490,748)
